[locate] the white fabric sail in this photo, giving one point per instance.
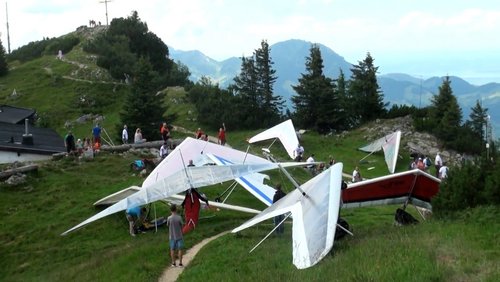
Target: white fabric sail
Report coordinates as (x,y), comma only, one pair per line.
(190,177)
(195,149)
(284,131)
(314,216)
(390,145)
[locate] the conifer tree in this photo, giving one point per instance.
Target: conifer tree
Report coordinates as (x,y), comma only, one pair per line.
(4,68)
(446,114)
(478,117)
(368,100)
(315,102)
(142,108)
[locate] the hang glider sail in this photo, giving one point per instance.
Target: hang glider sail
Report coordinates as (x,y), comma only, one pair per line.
(390,145)
(189,177)
(314,214)
(284,131)
(174,199)
(414,186)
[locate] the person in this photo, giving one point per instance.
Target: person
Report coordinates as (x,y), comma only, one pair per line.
(96,134)
(164,150)
(278,219)
(443,172)
(165,132)
(138,137)
(192,206)
(438,162)
(190,163)
(420,164)
(222,135)
(125,135)
(205,137)
(198,134)
(331,161)
(311,166)
(356,175)
(298,152)
(176,242)
(427,163)
(79,146)
(69,143)
(135,216)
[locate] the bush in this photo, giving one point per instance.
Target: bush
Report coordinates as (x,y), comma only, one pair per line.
(471,185)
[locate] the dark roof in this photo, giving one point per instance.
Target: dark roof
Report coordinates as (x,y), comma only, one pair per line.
(14,115)
(45,140)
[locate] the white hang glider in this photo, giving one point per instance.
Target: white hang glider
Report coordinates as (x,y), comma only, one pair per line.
(285,132)
(180,181)
(390,145)
(314,214)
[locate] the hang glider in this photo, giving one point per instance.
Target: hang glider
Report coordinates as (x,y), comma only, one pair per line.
(174,199)
(284,131)
(314,214)
(414,186)
(390,145)
(189,177)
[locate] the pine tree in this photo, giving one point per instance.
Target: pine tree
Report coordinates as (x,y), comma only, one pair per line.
(478,118)
(142,109)
(368,100)
(345,120)
(4,68)
(271,104)
(245,88)
(446,114)
(315,102)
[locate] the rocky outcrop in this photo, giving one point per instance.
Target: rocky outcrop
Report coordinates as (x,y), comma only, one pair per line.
(411,140)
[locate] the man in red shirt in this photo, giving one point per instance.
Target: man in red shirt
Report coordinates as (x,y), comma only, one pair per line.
(222,135)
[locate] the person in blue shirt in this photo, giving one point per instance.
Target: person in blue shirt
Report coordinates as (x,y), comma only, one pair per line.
(96,133)
(135,217)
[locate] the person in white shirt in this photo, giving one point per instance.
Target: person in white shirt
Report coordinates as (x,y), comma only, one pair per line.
(298,153)
(438,162)
(356,176)
(443,172)
(311,167)
(125,135)
(164,150)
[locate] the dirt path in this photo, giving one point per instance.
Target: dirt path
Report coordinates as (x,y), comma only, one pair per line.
(172,273)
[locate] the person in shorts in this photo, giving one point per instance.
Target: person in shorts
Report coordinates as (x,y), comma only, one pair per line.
(175,223)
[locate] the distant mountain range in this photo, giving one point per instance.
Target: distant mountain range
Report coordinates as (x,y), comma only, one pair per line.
(398,88)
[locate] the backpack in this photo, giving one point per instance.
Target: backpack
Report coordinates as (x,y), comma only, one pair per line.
(428,162)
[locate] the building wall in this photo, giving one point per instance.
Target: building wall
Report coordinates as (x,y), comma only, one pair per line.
(11,157)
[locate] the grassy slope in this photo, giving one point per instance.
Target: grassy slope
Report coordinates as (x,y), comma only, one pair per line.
(60,196)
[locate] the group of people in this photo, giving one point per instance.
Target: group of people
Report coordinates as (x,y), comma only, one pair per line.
(424,163)
(86,147)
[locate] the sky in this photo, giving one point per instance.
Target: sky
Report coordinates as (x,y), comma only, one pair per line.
(422,38)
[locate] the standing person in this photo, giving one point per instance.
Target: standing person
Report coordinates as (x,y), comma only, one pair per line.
(311,166)
(165,132)
(356,175)
(438,162)
(69,143)
(135,217)
(163,150)
(427,163)
(277,219)
(125,135)
(198,134)
(96,134)
(176,242)
(443,172)
(298,152)
(222,135)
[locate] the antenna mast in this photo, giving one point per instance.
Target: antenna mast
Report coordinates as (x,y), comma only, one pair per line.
(106,4)
(8,35)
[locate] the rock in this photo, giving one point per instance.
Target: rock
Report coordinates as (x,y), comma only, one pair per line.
(16,179)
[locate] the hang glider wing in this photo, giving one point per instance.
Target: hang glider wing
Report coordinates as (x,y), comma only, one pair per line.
(174,199)
(284,131)
(194,149)
(190,177)
(415,185)
(314,216)
(390,145)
